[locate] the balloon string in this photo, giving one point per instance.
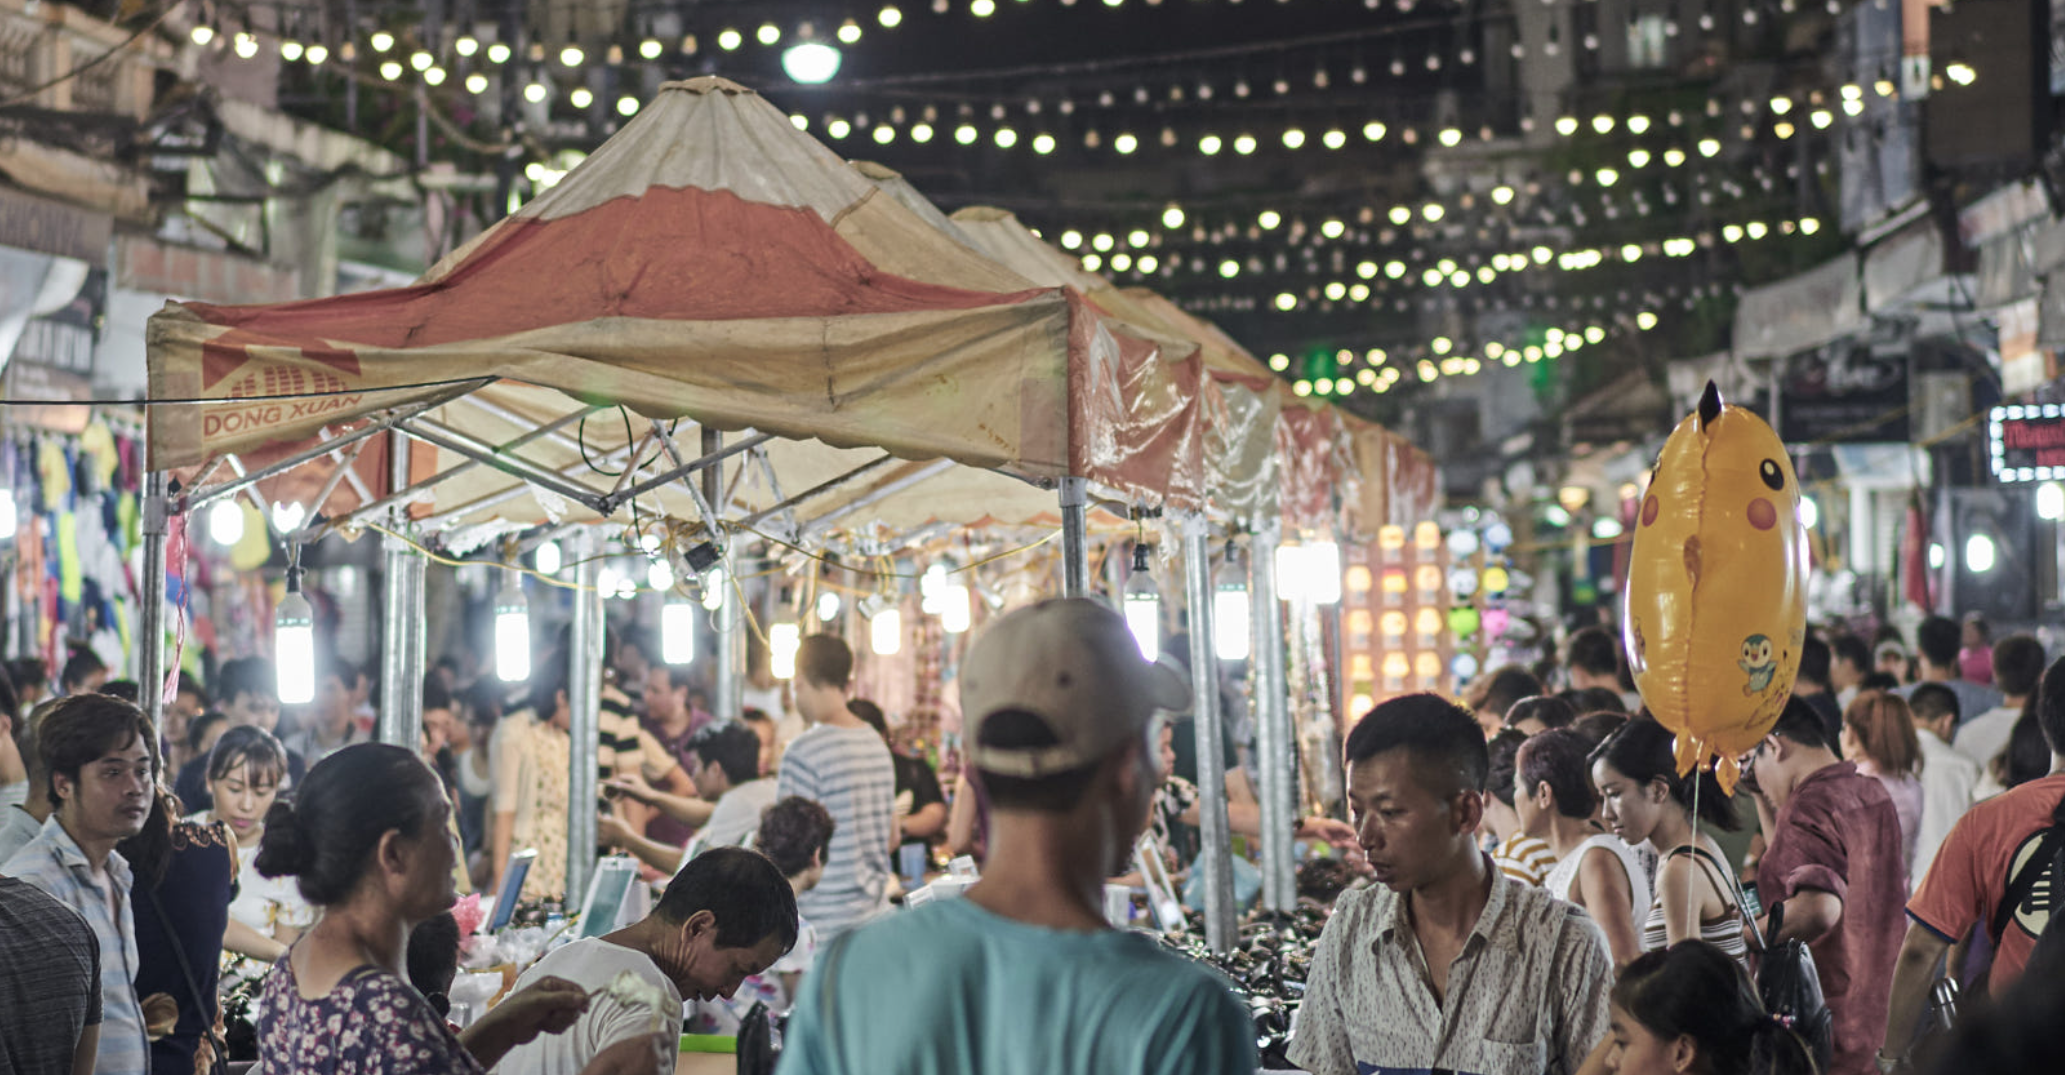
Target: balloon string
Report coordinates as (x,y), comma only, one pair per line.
(1691,897)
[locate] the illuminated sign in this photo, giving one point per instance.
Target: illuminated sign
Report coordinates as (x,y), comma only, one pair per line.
(2027,443)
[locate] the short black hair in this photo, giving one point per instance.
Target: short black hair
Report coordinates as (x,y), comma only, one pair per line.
(755,715)
(1814,661)
(197,730)
(732,747)
(330,664)
(127,690)
(1939,638)
(1852,649)
(82,663)
(2017,665)
(80,729)
(1879,681)
(742,888)
(1498,691)
(1596,726)
(1933,701)
(1441,736)
(1800,723)
(793,832)
(1504,750)
(2050,706)
(1551,711)
(191,684)
(2027,756)
(1593,700)
(246,675)
(1055,793)
(1594,650)
(435,694)
(548,681)
(1561,758)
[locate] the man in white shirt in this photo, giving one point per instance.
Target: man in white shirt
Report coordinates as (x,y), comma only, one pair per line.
(730,757)
(2017,665)
(729,915)
(1949,779)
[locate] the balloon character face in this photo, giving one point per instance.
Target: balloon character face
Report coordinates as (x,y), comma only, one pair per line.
(1716,596)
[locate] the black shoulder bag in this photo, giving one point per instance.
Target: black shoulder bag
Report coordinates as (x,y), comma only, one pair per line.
(2050,852)
(216,1045)
(1790,987)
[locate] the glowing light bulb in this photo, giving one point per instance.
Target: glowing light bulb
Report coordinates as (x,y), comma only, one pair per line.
(885,631)
(783,640)
(226,522)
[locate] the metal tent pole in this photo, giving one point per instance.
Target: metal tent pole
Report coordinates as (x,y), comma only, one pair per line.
(150,635)
(584,696)
(402,619)
(1075,538)
(1215,858)
(730,686)
(1278,776)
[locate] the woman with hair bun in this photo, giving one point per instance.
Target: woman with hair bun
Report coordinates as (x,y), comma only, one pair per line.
(1690,1009)
(366,841)
(1646,801)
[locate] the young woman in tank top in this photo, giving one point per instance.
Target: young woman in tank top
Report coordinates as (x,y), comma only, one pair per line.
(1646,801)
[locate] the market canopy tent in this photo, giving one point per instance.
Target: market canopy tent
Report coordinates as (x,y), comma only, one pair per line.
(710,262)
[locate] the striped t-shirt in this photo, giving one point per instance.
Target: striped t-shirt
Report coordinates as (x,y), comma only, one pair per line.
(848,771)
(1524,858)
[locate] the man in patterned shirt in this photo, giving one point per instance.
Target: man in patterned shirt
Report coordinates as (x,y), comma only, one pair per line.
(95,752)
(1447,964)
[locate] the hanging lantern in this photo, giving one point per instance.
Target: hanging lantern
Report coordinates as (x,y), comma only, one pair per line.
(293,641)
(1143,605)
(512,632)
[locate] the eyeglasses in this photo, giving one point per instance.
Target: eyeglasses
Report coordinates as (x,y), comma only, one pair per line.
(1750,759)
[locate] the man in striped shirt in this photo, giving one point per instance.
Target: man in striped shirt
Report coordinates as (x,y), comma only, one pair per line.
(95,752)
(843,765)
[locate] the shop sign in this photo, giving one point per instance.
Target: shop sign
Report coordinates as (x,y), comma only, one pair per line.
(2027,442)
(1845,392)
(47,227)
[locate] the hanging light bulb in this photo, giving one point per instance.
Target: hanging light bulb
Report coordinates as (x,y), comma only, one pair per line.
(956,613)
(287,517)
(547,559)
(714,582)
(660,576)
(512,632)
(1143,605)
(1980,554)
(885,631)
(827,606)
(293,641)
(2050,506)
(226,522)
(9,521)
(677,631)
(1231,630)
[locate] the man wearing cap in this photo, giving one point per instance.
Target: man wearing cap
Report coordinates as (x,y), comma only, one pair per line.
(1023,975)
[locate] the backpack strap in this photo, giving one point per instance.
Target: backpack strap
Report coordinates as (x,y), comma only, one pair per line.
(2049,848)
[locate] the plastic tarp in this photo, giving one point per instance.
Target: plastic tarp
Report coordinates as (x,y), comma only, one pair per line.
(709,262)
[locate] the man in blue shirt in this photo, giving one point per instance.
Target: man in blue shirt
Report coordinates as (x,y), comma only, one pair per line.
(1023,975)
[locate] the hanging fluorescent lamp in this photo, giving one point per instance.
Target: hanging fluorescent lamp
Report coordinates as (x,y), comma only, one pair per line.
(1231,628)
(885,631)
(293,641)
(678,630)
(512,632)
(1143,605)
(956,612)
(783,640)
(1310,572)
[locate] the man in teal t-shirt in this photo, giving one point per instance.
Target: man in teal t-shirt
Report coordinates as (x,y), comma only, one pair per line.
(1023,975)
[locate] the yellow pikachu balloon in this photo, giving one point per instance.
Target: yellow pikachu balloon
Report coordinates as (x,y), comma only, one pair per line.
(1717,585)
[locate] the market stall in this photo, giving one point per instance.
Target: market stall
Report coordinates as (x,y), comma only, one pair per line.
(710,263)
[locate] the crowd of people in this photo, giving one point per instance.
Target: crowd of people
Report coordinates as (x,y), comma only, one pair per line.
(1542,889)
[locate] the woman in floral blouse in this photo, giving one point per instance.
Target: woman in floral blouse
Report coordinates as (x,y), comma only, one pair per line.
(366,840)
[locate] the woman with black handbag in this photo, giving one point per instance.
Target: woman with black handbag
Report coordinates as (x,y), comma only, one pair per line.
(185,878)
